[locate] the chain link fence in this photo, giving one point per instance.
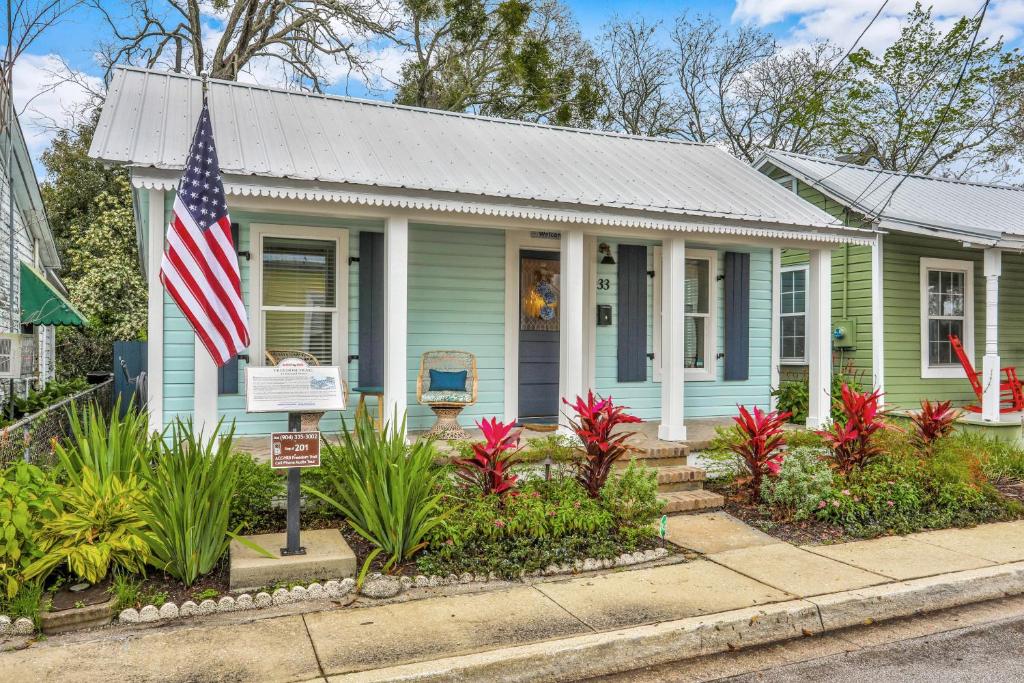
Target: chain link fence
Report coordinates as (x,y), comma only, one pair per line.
(32,437)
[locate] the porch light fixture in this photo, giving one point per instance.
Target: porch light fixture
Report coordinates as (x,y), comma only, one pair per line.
(607,259)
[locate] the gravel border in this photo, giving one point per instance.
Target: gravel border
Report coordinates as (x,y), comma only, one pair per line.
(376,586)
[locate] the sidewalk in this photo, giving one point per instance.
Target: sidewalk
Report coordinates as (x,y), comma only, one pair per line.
(758,589)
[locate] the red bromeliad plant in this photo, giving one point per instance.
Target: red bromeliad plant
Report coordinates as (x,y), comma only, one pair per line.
(596,420)
(850,440)
(490,468)
(762,439)
(932,422)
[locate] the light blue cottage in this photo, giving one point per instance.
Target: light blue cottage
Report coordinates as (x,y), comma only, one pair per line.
(562,260)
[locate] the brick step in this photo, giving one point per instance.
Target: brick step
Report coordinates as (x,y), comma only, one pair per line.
(679,478)
(691,501)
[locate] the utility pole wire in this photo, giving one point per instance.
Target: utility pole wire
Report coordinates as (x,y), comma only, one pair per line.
(873,215)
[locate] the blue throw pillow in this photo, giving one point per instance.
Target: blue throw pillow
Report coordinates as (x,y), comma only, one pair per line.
(447,381)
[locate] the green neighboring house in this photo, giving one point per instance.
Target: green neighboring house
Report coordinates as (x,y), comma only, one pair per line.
(945,248)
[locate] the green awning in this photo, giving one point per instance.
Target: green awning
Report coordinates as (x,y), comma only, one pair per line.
(42,304)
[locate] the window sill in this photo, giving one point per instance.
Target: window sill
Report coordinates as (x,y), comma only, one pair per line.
(793,361)
(698,375)
(950,372)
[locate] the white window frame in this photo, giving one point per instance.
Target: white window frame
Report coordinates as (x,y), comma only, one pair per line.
(339,315)
(709,372)
(14,357)
(783,360)
(966,267)
(789,182)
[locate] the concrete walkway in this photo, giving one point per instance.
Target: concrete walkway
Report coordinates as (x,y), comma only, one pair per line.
(740,568)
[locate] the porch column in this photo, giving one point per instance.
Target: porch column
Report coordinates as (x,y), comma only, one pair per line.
(571,377)
(991,360)
(673,334)
(819,337)
(396,315)
(155,324)
(877,317)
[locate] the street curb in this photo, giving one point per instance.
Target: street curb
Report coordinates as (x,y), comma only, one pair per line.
(598,654)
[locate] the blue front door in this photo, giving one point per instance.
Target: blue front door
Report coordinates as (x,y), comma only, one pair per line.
(539,301)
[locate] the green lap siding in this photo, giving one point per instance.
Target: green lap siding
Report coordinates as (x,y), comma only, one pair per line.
(901,255)
(851,286)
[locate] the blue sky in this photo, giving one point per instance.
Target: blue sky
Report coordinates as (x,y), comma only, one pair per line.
(792,21)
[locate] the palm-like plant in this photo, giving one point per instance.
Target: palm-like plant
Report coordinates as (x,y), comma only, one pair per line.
(388,490)
(851,440)
(595,423)
(119,447)
(932,422)
(758,449)
(188,501)
(490,468)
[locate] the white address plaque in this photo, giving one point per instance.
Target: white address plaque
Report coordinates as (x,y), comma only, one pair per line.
(293,389)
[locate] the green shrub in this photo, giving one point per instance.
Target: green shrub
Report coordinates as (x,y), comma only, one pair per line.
(562,448)
(120,446)
(548,522)
(900,494)
(793,397)
(803,438)
(388,490)
(1000,460)
(252,500)
(632,496)
(804,479)
(97,525)
(188,501)
(26,503)
(37,399)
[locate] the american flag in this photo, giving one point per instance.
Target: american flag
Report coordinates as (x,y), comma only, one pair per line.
(200,267)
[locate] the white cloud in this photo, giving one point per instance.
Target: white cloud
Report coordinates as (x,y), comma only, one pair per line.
(46,101)
(842,20)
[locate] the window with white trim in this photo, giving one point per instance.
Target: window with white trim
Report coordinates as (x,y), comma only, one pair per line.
(299,297)
(701,338)
(697,322)
(947,308)
(793,315)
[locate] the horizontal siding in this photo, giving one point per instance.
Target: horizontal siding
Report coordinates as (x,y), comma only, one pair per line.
(700,398)
(851,289)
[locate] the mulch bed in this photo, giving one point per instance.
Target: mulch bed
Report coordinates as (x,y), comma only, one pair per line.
(176,592)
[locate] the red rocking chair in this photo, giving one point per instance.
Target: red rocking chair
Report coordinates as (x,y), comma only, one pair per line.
(1011,395)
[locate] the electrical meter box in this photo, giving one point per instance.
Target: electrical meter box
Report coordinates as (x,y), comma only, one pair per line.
(844,334)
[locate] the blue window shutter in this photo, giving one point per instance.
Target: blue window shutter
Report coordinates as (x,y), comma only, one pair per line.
(371,309)
(737,316)
(632,304)
(227,374)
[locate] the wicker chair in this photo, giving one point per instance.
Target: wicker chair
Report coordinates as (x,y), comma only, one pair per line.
(447,405)
(310,421)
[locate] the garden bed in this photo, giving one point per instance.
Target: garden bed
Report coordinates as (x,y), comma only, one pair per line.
(154,516)
(867,475)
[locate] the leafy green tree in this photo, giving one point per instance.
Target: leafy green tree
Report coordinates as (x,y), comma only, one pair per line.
(521,59)
(895,101)
(90,210)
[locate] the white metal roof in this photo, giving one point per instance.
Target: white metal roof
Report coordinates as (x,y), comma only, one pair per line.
(922,204)
(148,119)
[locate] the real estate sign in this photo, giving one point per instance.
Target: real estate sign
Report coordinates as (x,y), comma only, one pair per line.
(293,389)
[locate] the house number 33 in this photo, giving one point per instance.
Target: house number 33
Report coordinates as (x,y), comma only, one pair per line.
(604,283)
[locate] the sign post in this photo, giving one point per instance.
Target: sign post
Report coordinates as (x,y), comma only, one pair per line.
(295,388)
